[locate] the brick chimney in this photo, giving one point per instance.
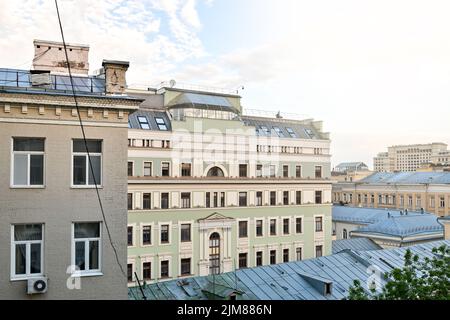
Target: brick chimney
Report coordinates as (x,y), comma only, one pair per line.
(115,80)
(50,56)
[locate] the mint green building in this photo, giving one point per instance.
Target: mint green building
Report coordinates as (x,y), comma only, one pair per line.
(212,188)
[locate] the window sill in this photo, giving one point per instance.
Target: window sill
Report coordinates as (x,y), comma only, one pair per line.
(24,278)
(77,274)
(27,187)
(85,187)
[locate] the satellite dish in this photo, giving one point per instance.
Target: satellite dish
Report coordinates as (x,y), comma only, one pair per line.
(172,83)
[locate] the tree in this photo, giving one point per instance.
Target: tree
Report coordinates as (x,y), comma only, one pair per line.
(418,279)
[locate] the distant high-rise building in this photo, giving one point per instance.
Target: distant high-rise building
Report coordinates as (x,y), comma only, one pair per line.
(409,158)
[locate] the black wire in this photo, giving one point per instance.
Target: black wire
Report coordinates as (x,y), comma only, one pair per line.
(85,143)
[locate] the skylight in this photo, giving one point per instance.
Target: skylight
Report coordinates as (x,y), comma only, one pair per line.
(265,130)
(309,132)
(291,132)
(161,123)
(278,131)
(143,122)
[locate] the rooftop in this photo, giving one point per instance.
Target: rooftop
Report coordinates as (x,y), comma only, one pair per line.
(408,178)
(299,280)
(355,244)
(369,215)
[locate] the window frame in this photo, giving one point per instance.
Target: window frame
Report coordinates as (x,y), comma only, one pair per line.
(183,223)
(146,122)
(28,153)
(170,171)
(28,243)
(144,225)
(89,272)
(169,236)
(151,168)
(88,169)
(158,124)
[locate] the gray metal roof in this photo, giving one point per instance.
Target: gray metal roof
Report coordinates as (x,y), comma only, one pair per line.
(355,244)
(201,101)
(299,280)
(368,215)
(408,178)
(346,165)
(300,130)
(150,115)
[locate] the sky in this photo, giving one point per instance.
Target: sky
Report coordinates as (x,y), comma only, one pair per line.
(376,72)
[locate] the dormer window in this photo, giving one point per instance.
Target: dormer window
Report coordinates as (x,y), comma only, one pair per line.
(265,130)
(143,122)
(291,132)
(161,123)
(279,132)
(310,133)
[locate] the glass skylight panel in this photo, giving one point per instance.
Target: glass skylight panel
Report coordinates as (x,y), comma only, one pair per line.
(278,131)
(309,133)
(291,132)
(161,123)
(143,122)
(265,130)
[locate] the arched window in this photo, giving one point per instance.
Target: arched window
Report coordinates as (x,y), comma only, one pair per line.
(344,234)
(214,253)
(215,172)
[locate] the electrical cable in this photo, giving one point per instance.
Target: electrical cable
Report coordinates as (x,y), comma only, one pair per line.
(86,145)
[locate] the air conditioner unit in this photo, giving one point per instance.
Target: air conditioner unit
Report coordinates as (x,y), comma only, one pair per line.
(37,285)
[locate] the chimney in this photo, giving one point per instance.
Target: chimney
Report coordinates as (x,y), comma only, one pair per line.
(115,80)
(50,56)
(445,221)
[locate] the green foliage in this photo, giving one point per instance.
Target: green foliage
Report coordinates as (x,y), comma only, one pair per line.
(418,279)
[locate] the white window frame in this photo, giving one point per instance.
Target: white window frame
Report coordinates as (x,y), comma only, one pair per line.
(323,223)
(26,186)
(282,170)
(303,224)
(277,233)
(152,232)
(248,227)
(161,259)
(191,223)
(170,233)
(263,228)
(190,200)
(321,171)
(88,168)
(289,226)
(189,256)
(144,259)
(27,275)
(301,171)
(86,273)
(151,168)
(170,169)
(132,261)
(132,169)
(132,225)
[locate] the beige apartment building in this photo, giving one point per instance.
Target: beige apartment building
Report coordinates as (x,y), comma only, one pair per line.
(53,238)
(409,158)
(415,191)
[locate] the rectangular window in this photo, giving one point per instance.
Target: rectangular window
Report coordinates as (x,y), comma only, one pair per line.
(208,199)
(165,233)
(222,199)
(319,251)
(146,201)
(147,271)
(259,228)
(130,272)
(147,169)
(318,172)
(286,198)
(130,168)
(273,256)
(243,229)
(86,244)
(259,258)
(242,260)
(185,200)
(285,171)
(319,224)
(130,201)
(186,169)
(130,236)
(298,254)
(186,232)
(272,171)
(143,122)
(28,162)
(298,197)
(164,200)
(285,255)
(242,199)
(298,225)
(291,132)
(147,235)
(164,268)
(259,199)
(273,227)
(286,226)
(242,170)
(82,173)
(161,124)
(418,202)
(279,132)
(273,198)
(319,197)
(165,169)
(185,266)
(259,170)
(432,202)
(441,202)
(298,171)
(216,200)
(27,250)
